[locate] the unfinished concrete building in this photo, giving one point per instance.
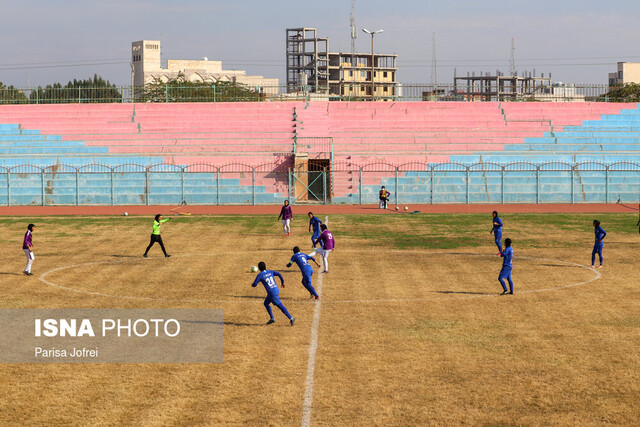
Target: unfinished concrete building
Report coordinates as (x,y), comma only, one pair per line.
(312,67)
(498,87)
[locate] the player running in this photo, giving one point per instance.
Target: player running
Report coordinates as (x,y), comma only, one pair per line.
(315,223)
(507,266)
(267,277)
(27,247)
(497,231)
(384,198)
(307,271)
(327,244)
(287,215)
(155,235)
(597,246)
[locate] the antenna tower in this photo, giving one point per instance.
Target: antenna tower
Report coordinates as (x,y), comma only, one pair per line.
(354,34)
(434,68)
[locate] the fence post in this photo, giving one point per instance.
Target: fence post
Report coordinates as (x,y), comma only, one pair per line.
(502,185)
(253,186)
(467,185)
(606,184)
(537,184)
(396,190)
(166,93)
(324,185)
(432,184)
(218,186)
(181,185)
(360,186)
(572,191)
(42,183)
(112,201)
(77,189)
(146,187)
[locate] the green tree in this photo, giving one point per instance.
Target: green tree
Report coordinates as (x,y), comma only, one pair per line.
(11,95)
(180,89)
(629,92)
(91,90)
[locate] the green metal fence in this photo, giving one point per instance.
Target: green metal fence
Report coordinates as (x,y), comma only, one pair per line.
(240,93)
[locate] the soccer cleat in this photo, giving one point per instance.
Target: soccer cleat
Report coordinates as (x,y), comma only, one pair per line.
(600,266)
(292,320)
(167,256)
(28,274)
(325,271)
(504,292)
(593,266)
(510,293)
(145,256)
(271,321)
(317,299)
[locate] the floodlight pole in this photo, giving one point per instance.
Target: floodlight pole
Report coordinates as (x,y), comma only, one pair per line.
(373,87)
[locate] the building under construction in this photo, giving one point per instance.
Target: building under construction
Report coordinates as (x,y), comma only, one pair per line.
(498,87)
(312,67)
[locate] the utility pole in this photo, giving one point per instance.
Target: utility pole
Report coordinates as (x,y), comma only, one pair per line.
(354,35)
(512,60)
(434,70)
(373,87)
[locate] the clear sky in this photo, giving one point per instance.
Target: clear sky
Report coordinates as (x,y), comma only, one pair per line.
(579,41)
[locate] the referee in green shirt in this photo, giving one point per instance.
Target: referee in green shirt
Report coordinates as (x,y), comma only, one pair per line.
(155,235)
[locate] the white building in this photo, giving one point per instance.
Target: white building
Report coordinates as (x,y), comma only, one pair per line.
(146,60)
(628,72)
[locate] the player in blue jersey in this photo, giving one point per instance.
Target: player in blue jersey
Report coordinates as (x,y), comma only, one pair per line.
(315,223)
(267,277)
(507,266)
(597,246)
(497,231)
(307,271)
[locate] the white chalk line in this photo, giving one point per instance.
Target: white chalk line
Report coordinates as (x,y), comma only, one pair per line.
(597,275)
(313,350)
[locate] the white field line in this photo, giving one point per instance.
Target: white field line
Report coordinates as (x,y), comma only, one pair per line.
(313,349)
(43,279)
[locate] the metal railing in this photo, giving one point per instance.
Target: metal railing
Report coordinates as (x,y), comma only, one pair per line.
(411,183)
(343,92)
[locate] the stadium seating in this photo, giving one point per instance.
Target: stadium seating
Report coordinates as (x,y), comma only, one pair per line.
(375,136)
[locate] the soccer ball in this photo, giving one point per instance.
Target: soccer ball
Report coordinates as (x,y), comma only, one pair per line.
(406,208)
(126,214)
(397,208)
(254,269)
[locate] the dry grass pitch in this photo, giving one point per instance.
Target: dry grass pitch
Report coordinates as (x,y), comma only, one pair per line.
(411,330)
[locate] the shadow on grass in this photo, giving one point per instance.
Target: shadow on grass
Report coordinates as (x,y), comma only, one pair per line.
(463,293)
(126,256)
(10,274)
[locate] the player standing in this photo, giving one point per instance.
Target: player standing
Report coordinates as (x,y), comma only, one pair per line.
(267,277)
(315,223)
(287,215)
(497,231)
(27,247)
(303,263)
(598,245)
(384,197)
(155,235)
(507,266)
(327,244)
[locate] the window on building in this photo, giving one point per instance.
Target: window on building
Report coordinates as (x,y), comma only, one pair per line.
(350,73)
(362,74)
(362,88)
(386,89)
(384,75)
(620,74)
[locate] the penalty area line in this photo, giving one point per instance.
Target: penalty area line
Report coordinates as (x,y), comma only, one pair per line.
(313,350)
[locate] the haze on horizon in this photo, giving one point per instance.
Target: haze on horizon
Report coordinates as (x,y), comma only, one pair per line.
(577,41)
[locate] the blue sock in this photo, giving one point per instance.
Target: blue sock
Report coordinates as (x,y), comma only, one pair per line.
(283,309)
(504,286)
(268,307)
(510,284)
(601,258)
(593,258)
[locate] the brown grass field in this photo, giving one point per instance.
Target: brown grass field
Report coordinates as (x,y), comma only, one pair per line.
(411,328)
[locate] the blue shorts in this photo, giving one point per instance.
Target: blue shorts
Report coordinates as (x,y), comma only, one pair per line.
(505,272)
(306,275)
(597,248)
(315,236)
